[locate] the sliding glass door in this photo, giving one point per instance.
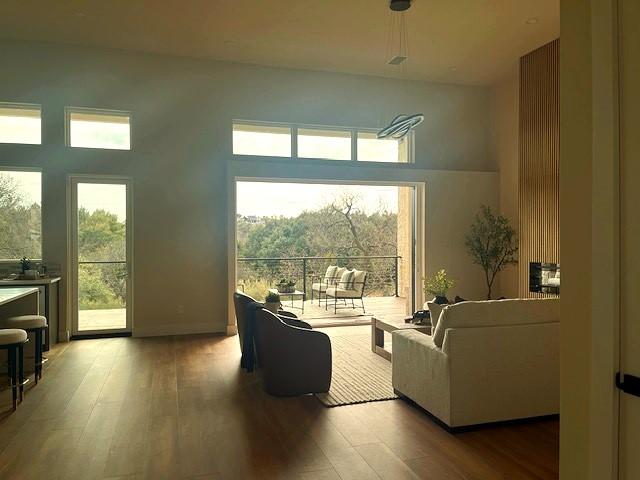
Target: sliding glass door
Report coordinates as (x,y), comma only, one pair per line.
(101,266)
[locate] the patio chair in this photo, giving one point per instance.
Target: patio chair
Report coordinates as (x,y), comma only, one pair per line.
(320,284)
(349,287)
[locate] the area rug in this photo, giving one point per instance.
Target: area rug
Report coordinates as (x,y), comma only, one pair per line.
(359,375)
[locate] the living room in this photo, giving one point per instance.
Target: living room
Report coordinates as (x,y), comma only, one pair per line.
(120,175)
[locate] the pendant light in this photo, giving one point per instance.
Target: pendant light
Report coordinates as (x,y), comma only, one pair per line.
(397,55)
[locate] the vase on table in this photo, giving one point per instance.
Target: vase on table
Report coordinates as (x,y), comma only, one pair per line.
(441,300)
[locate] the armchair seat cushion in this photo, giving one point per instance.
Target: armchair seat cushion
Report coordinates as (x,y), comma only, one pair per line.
(343,293)
(319,286)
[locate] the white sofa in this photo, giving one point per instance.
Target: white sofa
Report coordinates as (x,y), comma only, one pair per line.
(485,362)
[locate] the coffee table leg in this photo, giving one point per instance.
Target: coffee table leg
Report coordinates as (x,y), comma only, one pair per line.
(377,337)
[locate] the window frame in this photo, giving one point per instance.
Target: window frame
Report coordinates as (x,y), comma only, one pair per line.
(12,262)
(24,106)
(69,110)
(294,127)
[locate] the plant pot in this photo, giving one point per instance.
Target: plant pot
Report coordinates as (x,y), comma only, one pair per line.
(31,274)
(440,300)
(273,307)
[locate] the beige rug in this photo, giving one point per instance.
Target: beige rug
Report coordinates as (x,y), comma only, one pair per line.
(359,375)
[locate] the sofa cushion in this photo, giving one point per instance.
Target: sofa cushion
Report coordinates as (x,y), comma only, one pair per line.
(342,293)
(495,313)
(435,310)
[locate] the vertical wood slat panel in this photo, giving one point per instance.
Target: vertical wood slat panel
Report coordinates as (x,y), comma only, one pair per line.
(539,168)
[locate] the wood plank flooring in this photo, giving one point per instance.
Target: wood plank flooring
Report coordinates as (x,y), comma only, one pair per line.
(181,408)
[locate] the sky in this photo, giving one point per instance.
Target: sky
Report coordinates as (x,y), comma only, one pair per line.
(28,184)
(91,196)
(291,199)
(253,198)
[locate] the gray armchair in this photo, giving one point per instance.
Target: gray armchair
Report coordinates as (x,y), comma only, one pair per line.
(241,303)
(294,361)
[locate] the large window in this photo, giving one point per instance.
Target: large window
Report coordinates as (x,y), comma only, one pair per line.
(317,142)
(20,123)
(90,128)
(20,215)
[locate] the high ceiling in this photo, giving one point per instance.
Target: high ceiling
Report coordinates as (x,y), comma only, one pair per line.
(457,41)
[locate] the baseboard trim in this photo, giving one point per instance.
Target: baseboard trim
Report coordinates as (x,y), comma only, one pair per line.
(93,336)
(176,329)
(232,330)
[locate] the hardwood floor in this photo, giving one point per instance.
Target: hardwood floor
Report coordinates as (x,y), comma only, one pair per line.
(181,408)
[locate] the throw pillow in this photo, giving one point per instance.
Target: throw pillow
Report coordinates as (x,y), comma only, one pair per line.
(435,310)
(330,275)
(347,279)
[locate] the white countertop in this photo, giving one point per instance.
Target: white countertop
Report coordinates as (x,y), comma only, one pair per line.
(19,282)
(10,294)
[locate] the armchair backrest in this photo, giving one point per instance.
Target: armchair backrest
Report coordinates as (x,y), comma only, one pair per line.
(360,280)
(241,302)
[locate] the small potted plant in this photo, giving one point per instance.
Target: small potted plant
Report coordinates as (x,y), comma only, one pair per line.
(272,302)
(286,286)
(25,264)
(28,272)
(438,285)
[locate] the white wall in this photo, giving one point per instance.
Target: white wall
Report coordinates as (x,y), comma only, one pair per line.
(505,111)
(182,113)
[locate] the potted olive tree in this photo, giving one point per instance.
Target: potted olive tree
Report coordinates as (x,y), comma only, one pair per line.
(438,285)
(492,244)
(272,302)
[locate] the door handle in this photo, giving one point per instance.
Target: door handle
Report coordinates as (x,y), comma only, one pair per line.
(628,384)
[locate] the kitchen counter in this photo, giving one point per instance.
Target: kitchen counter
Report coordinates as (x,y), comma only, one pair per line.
(20,282)
(8,295)
(48,305)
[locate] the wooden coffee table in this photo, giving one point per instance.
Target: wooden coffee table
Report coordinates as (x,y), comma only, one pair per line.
(390,323)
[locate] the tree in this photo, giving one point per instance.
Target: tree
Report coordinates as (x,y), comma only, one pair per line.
(20,222)
(492,244)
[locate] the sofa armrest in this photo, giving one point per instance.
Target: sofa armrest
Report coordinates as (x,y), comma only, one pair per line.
(421,371)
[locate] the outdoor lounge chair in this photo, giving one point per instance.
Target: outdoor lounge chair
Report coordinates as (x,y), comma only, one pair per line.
(349,287)
(319,284)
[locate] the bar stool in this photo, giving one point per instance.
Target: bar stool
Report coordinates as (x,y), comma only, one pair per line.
(36,324)
(13,341)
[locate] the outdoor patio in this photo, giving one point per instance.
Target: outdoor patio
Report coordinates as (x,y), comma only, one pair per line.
(319,316)
(314,314)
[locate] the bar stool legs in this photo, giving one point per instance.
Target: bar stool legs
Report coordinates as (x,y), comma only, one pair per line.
(13,374)
(38,355)
(21,379)
(13,340)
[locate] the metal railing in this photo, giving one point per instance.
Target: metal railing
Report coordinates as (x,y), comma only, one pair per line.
(382,271)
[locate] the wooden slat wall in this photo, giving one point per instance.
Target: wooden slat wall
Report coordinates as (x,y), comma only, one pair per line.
(539,195)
